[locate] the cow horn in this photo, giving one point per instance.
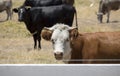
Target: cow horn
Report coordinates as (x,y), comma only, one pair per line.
(100,13)
(27,7)
(70,28)
(46,28)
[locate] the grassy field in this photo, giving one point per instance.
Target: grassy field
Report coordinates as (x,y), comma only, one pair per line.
(16,43)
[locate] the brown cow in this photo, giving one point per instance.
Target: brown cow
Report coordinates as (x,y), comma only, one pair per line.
(72,47)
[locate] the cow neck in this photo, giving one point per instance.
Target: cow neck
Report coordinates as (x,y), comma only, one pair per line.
(76,52)
(101,7)
(28,22)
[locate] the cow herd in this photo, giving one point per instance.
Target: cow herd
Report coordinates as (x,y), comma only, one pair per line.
(53,20)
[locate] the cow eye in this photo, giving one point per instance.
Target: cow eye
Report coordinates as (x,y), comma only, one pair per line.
(67,40)
(53,41)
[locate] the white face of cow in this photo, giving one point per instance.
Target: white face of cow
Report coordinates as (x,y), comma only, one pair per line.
(61,42)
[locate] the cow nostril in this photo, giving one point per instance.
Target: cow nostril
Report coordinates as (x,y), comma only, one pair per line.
(58,54)
(55,54)
(61,54)
(19,20)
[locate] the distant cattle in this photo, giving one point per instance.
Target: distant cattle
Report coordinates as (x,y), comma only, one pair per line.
(72,47)
(36,3)
(36,18)
(105,6)
(6,5)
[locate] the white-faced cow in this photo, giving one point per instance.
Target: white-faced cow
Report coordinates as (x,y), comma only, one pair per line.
(6,5)
(36,18)
(72,47)
(105,6)
(36,3)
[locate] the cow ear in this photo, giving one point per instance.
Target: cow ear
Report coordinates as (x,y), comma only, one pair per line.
(46,34)
(28,9)
(73,33)
(15,10)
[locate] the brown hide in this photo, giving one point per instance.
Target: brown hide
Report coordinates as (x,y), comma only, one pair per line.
(96,46)
(46,34)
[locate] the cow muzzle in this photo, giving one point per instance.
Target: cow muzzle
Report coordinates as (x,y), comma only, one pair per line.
(20,20)
(58,55)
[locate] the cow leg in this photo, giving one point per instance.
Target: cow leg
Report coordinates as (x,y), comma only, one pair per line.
(39,40)
(39,36)
(35,41)
(7,14)
(108,16)
(10,14)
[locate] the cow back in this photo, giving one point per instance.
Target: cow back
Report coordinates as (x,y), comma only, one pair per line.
(36,3)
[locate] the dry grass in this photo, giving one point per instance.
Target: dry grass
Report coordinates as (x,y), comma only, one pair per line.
(19,50)
(16,44)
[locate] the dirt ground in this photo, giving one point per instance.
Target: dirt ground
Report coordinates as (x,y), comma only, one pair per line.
(16,43)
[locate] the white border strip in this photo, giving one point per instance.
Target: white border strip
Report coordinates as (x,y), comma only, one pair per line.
(59,65)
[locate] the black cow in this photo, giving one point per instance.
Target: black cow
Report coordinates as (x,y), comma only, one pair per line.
(105,6)
(36,18)
(35,3)
(6,5)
